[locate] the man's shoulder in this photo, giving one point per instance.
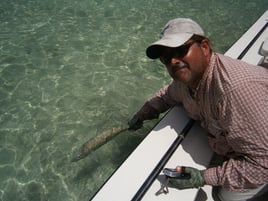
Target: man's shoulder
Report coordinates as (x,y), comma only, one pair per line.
(236,69)
(232,73)
(235,65)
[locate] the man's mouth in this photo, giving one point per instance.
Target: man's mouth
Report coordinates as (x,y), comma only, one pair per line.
(182,65)
(179,66)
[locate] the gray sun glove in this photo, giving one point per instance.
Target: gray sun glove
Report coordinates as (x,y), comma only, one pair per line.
(195,181)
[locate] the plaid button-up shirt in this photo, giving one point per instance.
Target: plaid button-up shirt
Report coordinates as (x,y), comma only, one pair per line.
(231,103)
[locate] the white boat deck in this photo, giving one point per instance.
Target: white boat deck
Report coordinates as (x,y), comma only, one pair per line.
(194,150)
(252,55)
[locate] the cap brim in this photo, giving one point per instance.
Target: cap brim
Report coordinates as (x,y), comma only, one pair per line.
(154,51)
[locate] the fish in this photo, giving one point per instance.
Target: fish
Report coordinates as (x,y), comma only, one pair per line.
(94,143)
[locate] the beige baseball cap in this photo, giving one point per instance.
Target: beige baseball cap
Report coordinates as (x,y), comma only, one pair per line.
(174,34)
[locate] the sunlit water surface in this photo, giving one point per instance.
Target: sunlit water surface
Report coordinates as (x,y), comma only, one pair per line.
(72,69)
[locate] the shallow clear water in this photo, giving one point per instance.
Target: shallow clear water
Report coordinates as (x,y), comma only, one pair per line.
(72,69)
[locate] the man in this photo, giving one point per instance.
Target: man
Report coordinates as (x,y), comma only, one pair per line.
(230,100)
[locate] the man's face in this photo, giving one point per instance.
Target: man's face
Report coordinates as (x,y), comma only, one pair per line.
(188,62)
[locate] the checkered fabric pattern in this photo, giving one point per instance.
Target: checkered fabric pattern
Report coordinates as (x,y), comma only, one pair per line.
(231,103)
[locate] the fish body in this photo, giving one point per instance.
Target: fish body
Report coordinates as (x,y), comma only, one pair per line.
(94,143)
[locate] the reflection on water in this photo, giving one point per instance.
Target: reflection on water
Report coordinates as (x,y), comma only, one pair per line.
(72,69)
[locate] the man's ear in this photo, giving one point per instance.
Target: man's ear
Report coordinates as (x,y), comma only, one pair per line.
(205,46)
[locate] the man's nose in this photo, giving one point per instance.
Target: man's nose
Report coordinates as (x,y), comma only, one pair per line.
(175,60)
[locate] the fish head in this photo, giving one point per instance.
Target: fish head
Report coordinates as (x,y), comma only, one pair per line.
(77,157)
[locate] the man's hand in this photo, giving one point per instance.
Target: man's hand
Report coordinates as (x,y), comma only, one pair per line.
(135,123)
(196,180)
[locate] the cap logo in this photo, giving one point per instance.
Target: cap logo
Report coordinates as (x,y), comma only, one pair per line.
(163,31)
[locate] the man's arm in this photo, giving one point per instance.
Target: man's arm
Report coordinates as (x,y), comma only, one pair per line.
(245,116)
(157,104)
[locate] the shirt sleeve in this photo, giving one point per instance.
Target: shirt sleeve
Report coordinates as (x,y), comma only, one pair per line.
(244,115)
(159,103)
